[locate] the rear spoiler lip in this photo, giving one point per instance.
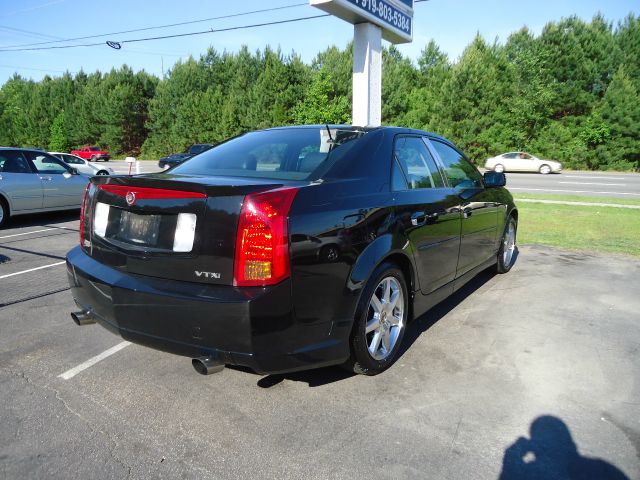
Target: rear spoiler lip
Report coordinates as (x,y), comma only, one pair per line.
(185,185)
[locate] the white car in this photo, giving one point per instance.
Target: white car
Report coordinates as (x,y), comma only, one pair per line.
(521,162)
(82,165)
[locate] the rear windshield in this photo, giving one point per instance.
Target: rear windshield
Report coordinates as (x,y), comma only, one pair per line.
(285,154)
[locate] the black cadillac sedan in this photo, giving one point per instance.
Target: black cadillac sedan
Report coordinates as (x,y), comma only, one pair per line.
(289,248)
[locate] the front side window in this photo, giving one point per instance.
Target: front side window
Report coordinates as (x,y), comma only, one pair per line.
(417,164)
(459,170)
(286,154)
(46,163)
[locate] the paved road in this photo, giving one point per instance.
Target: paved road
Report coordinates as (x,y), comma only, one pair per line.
(616,185)
(122,167)
(517,369)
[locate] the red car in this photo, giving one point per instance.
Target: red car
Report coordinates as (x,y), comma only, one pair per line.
(93,154)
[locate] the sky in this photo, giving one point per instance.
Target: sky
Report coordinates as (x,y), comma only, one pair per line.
(451,23)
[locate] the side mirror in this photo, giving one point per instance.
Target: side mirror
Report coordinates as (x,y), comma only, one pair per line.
(494,179)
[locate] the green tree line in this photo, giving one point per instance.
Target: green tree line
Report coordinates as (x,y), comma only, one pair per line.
(571,93)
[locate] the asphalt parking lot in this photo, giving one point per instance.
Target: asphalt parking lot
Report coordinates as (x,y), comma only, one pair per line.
(533,374)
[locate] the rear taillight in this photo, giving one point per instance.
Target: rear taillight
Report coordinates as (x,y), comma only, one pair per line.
(82,212)
(262,241)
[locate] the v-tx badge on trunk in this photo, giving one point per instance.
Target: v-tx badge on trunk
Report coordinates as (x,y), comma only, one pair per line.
(215,275)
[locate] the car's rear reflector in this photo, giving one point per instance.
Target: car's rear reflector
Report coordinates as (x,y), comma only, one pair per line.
(149,193)
(101,219)
(262,241)
(185,232)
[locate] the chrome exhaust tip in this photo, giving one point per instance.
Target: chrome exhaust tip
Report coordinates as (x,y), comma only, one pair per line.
(207,365)
(83,317)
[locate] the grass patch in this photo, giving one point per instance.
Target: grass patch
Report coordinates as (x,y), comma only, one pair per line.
(576,198)
(601,229)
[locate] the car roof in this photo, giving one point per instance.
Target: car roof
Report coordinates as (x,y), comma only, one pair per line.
(364,129)
(24,149)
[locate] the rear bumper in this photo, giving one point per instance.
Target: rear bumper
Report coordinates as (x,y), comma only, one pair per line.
(250,327)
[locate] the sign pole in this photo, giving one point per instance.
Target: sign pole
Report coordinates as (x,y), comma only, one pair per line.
(367,75)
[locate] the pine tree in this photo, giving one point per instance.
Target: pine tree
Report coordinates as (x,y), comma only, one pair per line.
(58,142)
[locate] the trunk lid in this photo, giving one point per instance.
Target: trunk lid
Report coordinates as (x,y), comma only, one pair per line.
(168,226)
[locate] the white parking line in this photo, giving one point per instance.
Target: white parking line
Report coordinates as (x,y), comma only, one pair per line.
(570,191)
(589,177)
(92,361)
(28,233)
(31,270)
(597,183)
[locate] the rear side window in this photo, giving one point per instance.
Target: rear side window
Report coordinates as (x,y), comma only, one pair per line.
(283,154)
(459,171)
(416,165)
(13,162)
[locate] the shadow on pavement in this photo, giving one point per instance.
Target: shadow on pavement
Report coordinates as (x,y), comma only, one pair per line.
(551,454)
(323,376)
(48,219)
(424,322)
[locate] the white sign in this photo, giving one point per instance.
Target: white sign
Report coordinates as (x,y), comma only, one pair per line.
(395,17)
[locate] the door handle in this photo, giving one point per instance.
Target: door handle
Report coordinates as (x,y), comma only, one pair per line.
(418,218)
(48,179)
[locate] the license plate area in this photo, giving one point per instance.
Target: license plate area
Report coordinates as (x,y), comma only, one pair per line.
(138,229)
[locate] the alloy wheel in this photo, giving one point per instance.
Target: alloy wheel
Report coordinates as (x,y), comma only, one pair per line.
(509,244)
(385,318)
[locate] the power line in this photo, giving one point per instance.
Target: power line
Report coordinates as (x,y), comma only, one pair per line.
(177,35)
(28,32)
(169,25)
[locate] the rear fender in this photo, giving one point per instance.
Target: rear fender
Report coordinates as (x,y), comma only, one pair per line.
(377,252)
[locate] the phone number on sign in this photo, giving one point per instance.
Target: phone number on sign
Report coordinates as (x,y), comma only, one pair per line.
(385,12)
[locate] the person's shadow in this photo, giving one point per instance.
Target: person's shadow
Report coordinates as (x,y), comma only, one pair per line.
(551,454)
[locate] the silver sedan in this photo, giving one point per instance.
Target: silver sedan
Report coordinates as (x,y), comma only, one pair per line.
(82,165)
(521,162)
(33,181)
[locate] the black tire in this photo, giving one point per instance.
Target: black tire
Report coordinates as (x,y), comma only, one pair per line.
(4,212)
(545,169)
(499,168)
(93,158)
(505,262)
(362,361)
(102,172)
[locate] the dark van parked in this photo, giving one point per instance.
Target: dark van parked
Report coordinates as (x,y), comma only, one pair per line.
(289,248)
